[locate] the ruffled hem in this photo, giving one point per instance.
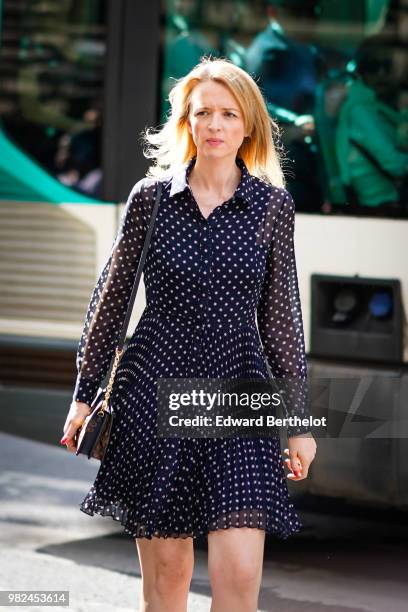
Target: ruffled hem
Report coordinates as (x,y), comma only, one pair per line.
(136,528)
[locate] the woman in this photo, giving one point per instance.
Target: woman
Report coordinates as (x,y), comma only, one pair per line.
(222,252)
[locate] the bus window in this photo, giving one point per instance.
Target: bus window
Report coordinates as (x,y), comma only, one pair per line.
(343,112)
(53,56)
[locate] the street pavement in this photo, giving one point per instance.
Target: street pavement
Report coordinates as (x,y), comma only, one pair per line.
(340,563)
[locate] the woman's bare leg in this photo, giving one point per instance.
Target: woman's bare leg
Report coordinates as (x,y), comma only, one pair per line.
(167,568)
(235,559)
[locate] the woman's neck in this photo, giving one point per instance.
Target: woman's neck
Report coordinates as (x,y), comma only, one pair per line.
(219,177)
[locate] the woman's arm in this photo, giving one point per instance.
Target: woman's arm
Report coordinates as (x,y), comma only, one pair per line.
(279,316)
(109,301)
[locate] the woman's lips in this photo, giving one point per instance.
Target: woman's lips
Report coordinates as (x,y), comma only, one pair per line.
(214,141)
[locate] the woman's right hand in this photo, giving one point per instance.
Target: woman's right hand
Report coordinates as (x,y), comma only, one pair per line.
(76,416)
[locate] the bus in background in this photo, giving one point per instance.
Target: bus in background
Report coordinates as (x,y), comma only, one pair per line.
(81,79)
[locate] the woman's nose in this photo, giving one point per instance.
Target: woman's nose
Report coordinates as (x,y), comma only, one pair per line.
(215,123)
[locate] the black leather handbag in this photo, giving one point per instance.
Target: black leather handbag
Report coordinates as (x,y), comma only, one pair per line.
(92,437)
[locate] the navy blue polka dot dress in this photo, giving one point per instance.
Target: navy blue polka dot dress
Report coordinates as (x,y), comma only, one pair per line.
(222,301)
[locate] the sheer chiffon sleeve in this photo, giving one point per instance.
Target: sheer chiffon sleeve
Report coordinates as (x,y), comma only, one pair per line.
(109,300)
(279,317)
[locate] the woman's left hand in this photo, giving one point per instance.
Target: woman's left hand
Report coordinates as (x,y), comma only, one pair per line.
(301,451)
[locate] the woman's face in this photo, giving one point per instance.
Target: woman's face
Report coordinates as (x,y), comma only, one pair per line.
(215,120)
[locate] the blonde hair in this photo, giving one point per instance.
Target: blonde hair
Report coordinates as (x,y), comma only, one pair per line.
(172,145)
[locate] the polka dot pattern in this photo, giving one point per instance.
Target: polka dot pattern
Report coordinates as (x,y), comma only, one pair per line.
(222,301)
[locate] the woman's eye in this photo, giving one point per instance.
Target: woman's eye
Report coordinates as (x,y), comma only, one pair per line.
(228,113)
